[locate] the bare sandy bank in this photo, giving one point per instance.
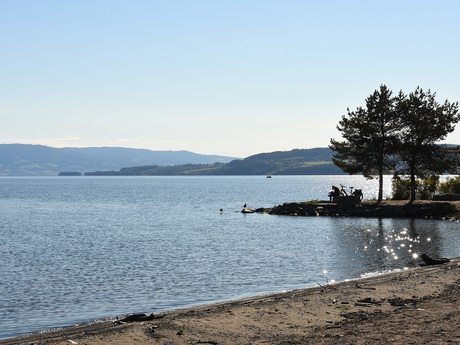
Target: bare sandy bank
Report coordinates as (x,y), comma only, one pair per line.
(416,306)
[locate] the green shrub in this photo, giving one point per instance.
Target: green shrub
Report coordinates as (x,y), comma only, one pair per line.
(401,189)
(427,187)
(450,186)
(424,188)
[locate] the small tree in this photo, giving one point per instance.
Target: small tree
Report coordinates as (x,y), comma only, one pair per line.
(423,122)
(369,135)
(450,186)
(400,188)
(428,187)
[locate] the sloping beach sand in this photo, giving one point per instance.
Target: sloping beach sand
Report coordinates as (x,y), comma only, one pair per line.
(416,306)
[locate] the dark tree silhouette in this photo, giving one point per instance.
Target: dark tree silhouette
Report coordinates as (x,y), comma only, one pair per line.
(423,123)
(369,135)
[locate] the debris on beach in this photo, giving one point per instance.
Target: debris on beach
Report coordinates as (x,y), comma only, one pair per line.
(433,261)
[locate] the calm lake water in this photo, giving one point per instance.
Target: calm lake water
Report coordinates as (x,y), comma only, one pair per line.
(77,249)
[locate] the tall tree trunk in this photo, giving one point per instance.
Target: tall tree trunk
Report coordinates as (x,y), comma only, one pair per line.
(380,197)
(412,183)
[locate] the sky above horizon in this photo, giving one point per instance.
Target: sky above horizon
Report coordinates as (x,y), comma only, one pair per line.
(230,78)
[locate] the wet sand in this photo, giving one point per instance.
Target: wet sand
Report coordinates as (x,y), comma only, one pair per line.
(416,306)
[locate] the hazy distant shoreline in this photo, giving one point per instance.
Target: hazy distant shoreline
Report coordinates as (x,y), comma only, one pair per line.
(39,160)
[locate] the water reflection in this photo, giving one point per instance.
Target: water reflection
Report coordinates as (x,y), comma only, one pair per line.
(363,245)
(164,240)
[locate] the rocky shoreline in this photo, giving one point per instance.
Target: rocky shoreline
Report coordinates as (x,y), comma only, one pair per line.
(427,209)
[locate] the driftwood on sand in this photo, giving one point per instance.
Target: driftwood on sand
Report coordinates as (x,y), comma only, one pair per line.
(433,261)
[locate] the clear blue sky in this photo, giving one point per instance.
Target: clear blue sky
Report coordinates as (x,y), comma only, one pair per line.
(224,77)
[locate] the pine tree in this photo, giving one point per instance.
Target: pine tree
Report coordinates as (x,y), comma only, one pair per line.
(423,123)
(369,135)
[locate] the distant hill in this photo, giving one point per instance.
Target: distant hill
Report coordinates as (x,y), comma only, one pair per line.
(39,160)
(315,161)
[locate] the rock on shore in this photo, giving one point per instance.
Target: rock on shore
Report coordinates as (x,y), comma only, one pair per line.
(385,209)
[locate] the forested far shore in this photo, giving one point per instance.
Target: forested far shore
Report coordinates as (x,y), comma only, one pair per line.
(306,168)
(315,161)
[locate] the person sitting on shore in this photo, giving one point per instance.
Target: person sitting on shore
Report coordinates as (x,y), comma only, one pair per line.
(334,192)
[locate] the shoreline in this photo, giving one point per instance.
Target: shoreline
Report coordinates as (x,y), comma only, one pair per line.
(325,313)
(424,209)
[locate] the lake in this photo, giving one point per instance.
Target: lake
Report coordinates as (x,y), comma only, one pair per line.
(78,249)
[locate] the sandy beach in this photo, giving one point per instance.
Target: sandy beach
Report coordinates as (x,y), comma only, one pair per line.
(415,306)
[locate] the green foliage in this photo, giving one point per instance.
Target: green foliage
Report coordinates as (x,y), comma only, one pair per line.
(401,188)
(422,123)
(401,134)
(311,202)
(370,139)
(425,188)
(296,162)
(450,186)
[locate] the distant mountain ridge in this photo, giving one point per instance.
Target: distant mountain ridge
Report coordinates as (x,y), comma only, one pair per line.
(40,160)
(315,161)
